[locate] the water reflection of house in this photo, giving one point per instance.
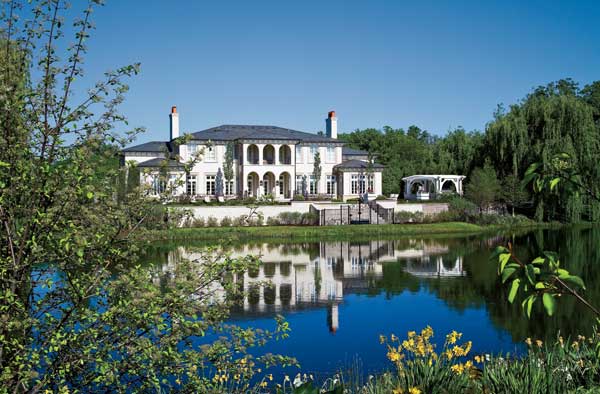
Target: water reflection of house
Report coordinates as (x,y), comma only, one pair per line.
(308,275)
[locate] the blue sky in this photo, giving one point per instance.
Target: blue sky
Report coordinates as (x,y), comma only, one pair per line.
(436,64)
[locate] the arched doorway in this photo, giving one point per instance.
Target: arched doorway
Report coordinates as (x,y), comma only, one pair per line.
(253,184)
(285,185)
(285,155)
(252,154)
(449,187)
(268,154)
(269,184)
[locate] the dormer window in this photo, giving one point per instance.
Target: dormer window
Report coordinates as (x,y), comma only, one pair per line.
(210,153)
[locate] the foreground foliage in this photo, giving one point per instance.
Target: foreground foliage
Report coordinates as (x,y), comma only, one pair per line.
(77,314)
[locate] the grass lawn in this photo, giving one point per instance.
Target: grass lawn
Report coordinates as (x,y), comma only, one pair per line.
(301,233)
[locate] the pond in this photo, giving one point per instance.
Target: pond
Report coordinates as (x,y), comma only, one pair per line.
(340,296)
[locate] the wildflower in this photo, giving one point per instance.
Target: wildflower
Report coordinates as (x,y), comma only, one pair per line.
(575,344)
(394,338)
(458,368)
(528,341)
(467,348)
(488,357)
(469,364)
(297,381)
(382,339)
(263,384)
(453,337)
(458,351)
(394,356)
(286,378)
(411,334)
(427,332)
(236,376)
(580,363)
(414,390)
(449,354)
(270,376)
(398,391)
(539,343)
(243,361)
(478,359)
(311,377)
(561,341)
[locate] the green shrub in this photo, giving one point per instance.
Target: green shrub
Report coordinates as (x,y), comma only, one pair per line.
(408,217)
(198,222)
(226,221)
(298,197)
(309,219)
(212,221)
(239,221)
(273,221)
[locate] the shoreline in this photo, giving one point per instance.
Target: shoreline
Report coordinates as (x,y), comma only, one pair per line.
(306,233)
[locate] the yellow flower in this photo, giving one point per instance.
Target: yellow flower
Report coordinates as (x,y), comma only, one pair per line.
(469,364)
(263,384)
(394,338)
(449,354)
(478,359)
(427,332)
(394,356)
(458,368)
(398,391)
(580,363)
(243,361)
(575,344)
(467,348)
(458,351)
(539,343)
(286,378)
(411,334)
(414,390)
(236,376)
(270,376)
(528,341)
(382,339)
(453,337)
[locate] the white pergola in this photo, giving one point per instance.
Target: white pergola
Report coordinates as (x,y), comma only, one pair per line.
(428,187)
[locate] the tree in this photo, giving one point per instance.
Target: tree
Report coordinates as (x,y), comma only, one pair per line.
(317,170)
(228,172)
(484,187)
(78,312)
(513,192)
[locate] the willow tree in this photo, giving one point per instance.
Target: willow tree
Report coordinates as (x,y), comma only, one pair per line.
(553,119)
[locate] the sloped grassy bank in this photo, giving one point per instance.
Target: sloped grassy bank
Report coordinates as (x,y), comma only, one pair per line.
(305,233)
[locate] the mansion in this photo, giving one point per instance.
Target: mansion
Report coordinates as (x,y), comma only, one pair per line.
(267,161)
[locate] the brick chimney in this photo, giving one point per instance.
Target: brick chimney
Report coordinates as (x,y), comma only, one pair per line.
(331,125)
(174,122)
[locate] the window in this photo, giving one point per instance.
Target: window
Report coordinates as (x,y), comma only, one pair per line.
(192,149)
(210,153)
(359,184)
(330,154)
(330,184)
(299,184)
(311,153)
(229,188)
(159,185)
(281,184)
(211,184)
(312,185)
(190,185)
(299,158)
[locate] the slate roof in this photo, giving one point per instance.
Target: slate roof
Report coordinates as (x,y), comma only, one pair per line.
(152,146)
(238,132)
(346,151)
(358,164)
(158,162)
